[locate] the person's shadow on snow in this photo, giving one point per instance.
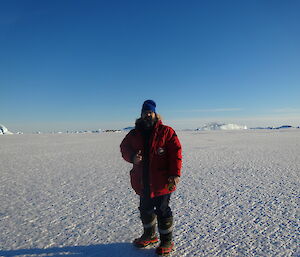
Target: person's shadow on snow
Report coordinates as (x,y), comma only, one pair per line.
(105,250)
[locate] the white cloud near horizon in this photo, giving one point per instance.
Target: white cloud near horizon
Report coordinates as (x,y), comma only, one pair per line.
(279,110)
(213,110)
(287,110)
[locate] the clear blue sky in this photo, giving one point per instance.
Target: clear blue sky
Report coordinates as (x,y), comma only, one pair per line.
(69,64)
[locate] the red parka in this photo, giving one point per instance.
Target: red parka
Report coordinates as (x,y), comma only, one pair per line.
(165,158)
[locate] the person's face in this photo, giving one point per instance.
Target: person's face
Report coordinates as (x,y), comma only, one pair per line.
(148,118)
(148,115)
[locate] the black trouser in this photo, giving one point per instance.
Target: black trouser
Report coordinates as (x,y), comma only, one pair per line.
(158,205)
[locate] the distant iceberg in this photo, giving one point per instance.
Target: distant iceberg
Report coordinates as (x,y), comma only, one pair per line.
(4,131)
(221,126)
(128,128)
(281,127)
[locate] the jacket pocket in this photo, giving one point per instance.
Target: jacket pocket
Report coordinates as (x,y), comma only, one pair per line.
(160,179)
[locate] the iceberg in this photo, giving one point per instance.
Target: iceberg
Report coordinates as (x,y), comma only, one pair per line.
(221,126)
(4,131)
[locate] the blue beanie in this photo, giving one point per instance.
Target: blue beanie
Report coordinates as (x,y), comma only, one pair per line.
(149,105)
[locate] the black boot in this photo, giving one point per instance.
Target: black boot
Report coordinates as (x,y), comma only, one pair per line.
(165,228)
(149,236)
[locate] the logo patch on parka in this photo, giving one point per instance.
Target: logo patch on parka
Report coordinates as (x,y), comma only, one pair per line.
(160,151)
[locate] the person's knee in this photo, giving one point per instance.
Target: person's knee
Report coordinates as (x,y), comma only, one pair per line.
(164,212)
(148,216)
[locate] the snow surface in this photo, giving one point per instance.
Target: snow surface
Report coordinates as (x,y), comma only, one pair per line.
(69,194)
(221,126)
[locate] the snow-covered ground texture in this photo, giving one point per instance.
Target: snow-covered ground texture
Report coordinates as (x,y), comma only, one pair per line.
(69,194)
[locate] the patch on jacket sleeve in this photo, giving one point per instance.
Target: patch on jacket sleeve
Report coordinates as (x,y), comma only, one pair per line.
(160,151)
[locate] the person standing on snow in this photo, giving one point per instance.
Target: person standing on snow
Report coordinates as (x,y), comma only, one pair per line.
(155,152)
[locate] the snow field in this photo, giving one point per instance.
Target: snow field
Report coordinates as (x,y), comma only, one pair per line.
(70,195)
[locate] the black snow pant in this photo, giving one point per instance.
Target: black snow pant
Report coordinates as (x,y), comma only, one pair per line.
(158,205)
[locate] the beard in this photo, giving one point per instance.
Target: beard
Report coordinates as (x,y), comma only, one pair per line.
(148,122)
